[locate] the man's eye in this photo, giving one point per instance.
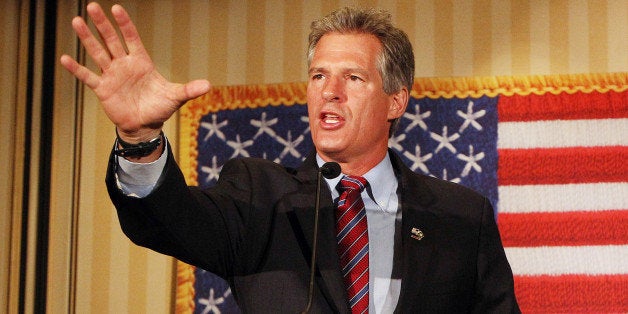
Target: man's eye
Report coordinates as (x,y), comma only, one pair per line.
(317,76)
(355,78)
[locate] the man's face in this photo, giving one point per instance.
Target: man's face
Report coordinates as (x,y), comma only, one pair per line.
(347,106)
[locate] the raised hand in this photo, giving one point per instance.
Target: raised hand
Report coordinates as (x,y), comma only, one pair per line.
(135,97)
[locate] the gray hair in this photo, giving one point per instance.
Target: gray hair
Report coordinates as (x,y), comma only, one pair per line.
(396,61)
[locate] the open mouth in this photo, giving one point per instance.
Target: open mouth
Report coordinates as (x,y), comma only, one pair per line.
(330,118)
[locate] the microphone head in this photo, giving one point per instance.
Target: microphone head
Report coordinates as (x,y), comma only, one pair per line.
(330,170)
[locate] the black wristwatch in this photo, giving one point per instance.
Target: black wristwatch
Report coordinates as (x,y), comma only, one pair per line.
(141,149)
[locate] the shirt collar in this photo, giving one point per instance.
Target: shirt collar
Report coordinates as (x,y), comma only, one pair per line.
(383,173)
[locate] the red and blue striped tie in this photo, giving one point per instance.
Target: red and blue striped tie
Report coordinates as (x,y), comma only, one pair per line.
(353,242)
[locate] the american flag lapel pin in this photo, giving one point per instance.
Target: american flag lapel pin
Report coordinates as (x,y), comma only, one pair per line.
(417,234)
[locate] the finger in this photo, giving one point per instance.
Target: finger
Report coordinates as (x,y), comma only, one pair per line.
(93,47)
(106,30)
(191,90)
(127,28)
(83,74)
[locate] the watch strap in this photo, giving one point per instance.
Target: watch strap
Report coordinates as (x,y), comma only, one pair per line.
(141,149)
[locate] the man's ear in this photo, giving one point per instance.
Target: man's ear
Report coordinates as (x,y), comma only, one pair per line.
(399,102)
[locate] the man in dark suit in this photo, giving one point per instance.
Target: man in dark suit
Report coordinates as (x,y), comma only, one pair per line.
(417,244)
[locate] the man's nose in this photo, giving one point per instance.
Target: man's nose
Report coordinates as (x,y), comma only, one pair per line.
(333,89)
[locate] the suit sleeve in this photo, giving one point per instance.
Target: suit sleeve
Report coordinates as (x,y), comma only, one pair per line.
(184,222)
(495,286)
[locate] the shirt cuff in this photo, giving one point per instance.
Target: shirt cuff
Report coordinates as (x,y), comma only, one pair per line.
(139,179)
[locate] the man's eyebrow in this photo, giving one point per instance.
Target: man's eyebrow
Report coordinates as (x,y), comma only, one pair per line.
(345,70)
(316,69)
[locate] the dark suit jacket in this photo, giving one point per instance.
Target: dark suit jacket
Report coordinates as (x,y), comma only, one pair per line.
(254,228)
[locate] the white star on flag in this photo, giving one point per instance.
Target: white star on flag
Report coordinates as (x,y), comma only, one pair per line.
(417,118)
(239,147)
(212,172)
(395,142)
(290,146)
(214,128)
(472,161)
(264,126)
(470,118)
(418,161)
(211,303)
(444,140)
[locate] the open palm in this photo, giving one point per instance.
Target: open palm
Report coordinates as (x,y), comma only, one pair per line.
(135,97)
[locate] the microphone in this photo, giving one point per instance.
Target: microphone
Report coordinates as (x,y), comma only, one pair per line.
(328,170)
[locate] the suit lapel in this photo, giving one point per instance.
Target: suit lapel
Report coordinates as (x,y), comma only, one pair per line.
(330,282)
(417,232)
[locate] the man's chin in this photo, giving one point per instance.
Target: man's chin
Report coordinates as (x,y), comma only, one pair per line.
(329,151)
(330,145)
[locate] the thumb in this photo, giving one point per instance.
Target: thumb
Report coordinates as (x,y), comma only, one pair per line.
(192,90)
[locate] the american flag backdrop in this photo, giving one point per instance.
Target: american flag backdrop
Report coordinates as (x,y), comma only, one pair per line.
(550,152)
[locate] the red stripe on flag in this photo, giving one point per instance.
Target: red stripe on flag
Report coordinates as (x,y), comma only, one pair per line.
(572,294)
(562,165)
(569,229)
(564,106)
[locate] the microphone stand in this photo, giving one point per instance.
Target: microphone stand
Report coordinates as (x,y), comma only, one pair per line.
(317,203)
(328,170)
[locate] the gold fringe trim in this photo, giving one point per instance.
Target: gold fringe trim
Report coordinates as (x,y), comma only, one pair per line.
(518,85)
(184,299)
(249,96)
(256,96)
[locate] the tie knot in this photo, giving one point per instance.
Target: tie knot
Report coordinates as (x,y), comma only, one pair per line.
(353,183)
